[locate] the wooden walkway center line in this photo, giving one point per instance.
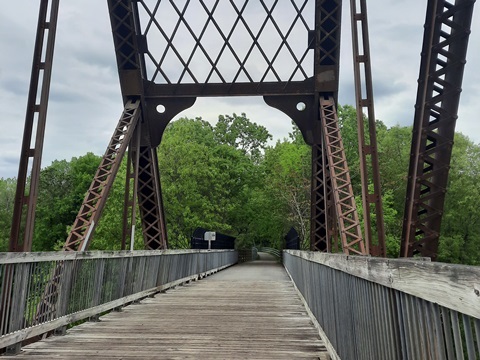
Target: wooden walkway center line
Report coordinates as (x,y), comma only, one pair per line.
(249,311)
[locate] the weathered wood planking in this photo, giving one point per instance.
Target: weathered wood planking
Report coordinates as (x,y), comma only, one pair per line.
(28,257)
(215,318)
(456,287)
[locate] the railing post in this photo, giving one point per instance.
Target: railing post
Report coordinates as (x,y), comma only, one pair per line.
(78,286)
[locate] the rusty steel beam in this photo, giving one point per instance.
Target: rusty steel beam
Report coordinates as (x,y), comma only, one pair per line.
(328,21)
(318,223)
(96,197)
(124,23)
(326,67)
(131,188)
(447,29)
(160,87)
(150,200)
(36,115)
(346,209)
(367,142)
(333,233)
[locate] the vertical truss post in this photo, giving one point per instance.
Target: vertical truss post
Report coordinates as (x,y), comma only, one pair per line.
(326,64)
(349,223)
(319,219)
(447,29)
(367,147)
(131,187)
(96,197)
(333,240)
(150,200)
(35,118)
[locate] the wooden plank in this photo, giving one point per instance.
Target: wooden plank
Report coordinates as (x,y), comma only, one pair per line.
(456,287)
(26,257)
(331,349)
(33,331)
(214,318)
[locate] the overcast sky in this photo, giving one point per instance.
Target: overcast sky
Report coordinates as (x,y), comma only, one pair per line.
(85,100)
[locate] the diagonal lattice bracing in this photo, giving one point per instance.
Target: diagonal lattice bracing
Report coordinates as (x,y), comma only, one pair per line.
(202,42)
(349,223)
(91,209)
(169,51)
(329,28)
(123,30)
(318,225)
(447,29)
(150,200)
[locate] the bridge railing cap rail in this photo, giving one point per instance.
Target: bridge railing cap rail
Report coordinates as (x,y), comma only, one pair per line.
(27,257)
(454,286)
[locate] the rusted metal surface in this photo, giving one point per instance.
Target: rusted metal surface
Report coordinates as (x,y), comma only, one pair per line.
(150,200)
(318,223)
(289,62)
(31,155)
(346,209)
(326,64)
(96,197)
(367,138)
(447,28)
(131,187)
(229,67)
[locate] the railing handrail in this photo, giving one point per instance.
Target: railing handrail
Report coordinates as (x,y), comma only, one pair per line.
(275,252)
(27,257)
(40,292)
(389,308)
(456,287)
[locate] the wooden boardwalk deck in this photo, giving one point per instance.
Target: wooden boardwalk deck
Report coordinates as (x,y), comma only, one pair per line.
(249,311)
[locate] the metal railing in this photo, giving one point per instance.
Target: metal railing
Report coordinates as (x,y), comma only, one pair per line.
(246,255)
(86,284)
(274,252)
(374,308)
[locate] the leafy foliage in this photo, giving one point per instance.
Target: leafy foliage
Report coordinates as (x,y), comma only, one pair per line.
(229,179)
(7,194)
(62,188)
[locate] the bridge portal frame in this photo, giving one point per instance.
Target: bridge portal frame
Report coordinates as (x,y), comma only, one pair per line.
(160,101)
(150,105)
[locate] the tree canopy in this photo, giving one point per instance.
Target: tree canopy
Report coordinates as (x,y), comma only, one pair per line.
(230,178)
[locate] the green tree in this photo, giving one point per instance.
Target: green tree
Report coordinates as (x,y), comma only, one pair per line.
(62,187)
(394,156)
(209,175)
(288,171)
(240,133)
(460,232)
(7,195)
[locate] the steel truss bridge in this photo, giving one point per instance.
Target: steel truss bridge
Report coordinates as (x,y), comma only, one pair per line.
(293,63)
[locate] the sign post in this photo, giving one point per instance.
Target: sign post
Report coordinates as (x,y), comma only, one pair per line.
(210,236)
